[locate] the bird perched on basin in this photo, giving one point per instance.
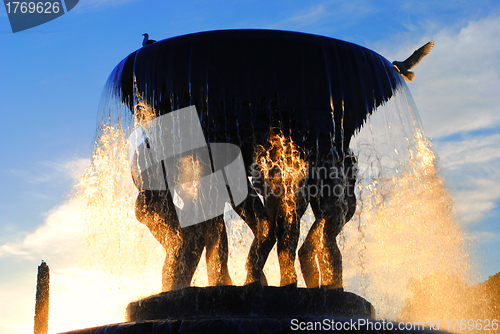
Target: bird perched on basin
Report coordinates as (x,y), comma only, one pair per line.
(146,40)
(404,67)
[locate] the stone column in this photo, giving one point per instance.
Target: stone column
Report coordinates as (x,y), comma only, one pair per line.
(42,300)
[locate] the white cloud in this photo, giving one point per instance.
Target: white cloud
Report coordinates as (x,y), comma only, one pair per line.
(63,224)
(42,172)
(304,18)
(471,168)
(456,86)
(479,151)
(484,237)
(472,204)
(58,234)
(332,11)
(310,16)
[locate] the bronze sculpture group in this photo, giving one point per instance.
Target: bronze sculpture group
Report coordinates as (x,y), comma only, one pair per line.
(328,186)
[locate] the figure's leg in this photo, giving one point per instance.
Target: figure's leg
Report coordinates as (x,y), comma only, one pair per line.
(217,252)
(311,248)
(336,205)
(288,237)
(212,234)
(329,210)
(330,260)
(192,245)
(170,268)
(288,223)
(253,212)
(154,209)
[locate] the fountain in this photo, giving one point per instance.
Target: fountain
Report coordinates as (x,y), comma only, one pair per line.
(268,123)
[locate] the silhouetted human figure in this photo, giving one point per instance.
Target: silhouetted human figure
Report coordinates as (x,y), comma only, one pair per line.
(184,246)
(333,208)
(278,177)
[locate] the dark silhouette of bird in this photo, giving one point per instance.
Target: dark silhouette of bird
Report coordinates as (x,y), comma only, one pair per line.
(146,40)
(404,67)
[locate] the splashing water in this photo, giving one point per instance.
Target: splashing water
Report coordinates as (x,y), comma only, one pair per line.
(403,228)
(117,246)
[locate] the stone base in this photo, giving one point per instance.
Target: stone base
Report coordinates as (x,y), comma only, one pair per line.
(250,301)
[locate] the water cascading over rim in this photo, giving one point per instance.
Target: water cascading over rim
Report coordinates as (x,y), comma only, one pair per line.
(318,90)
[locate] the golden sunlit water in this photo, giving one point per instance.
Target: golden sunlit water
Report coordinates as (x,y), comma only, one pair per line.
(404,229)
(402,235)
(120,259)
(282,167)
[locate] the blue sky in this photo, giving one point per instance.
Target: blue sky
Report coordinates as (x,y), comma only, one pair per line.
(52,77)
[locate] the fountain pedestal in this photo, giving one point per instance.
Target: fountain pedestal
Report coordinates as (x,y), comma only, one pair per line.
(237,309)
(250,301)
